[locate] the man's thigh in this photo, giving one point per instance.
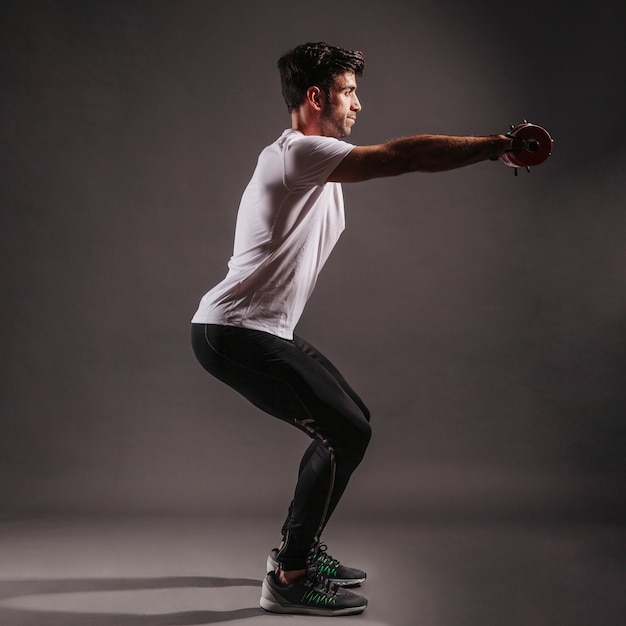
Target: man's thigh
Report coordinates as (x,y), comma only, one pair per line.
(281,378)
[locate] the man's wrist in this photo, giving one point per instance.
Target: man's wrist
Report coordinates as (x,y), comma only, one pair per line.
(501,144)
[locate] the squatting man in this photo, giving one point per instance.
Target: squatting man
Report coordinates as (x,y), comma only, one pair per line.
(290,217)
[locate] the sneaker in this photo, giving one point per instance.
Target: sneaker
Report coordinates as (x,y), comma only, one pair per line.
(309,595)
(325,565)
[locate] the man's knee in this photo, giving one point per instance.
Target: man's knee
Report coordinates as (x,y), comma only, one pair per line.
(366,435)
(356,441)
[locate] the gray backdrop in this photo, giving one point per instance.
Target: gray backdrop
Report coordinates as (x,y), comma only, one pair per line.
(480,315)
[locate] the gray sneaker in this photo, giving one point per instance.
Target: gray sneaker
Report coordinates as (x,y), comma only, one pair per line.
(309,595)
(326,566)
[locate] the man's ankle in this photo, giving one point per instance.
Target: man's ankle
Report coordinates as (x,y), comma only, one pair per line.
(286,578)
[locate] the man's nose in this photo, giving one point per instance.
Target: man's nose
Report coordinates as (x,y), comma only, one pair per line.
(356,105)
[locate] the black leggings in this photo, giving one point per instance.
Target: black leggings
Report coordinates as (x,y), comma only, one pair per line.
(291,380)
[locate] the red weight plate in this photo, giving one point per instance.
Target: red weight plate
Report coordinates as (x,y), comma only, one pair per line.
(538,146)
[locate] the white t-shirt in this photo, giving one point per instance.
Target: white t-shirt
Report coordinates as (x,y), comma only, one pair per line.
(289,221)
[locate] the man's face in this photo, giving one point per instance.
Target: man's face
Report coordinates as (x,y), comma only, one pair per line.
(340,109)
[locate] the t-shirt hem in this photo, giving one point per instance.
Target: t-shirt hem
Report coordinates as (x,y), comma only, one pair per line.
(282,333)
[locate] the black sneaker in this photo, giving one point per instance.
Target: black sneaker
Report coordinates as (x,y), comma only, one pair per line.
(325,565)
(309,595)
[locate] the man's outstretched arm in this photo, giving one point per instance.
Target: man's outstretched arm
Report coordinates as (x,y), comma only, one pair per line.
(420,153)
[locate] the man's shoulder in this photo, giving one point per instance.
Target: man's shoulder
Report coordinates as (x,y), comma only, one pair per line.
(292,137)
(301,146)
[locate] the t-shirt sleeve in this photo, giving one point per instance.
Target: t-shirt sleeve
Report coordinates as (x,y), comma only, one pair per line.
(310,160)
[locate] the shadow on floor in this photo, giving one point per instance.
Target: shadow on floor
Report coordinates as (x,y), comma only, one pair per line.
(21,617)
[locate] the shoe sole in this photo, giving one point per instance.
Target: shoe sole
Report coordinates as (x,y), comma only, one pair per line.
(270,604)
(271,566)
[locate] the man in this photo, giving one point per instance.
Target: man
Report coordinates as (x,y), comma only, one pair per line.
(290,217)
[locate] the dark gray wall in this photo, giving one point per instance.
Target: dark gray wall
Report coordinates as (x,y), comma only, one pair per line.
(481,315)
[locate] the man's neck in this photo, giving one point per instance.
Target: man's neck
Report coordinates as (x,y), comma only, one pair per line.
(306,122)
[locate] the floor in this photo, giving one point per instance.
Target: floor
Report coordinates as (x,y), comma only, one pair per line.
(195,571)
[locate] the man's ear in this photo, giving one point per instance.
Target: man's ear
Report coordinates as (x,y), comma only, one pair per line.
(314,97)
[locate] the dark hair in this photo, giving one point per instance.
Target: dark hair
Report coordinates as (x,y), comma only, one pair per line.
(315,64)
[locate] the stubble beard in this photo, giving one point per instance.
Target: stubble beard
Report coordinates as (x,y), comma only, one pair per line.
(332,125)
